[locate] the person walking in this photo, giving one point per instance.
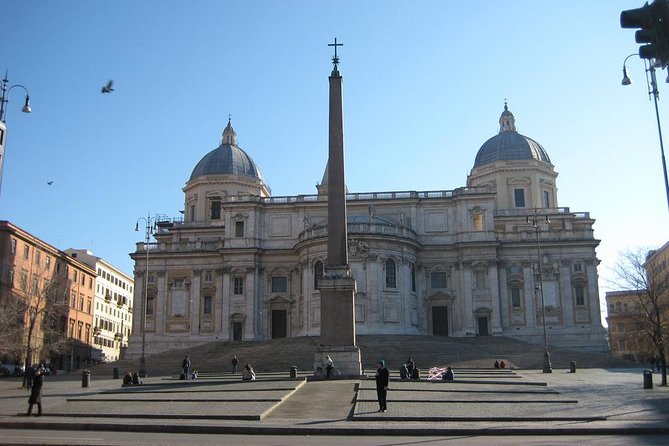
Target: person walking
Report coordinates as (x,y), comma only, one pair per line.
(382,378)
(36,392)
(329,365)
(185,366)
(235,363)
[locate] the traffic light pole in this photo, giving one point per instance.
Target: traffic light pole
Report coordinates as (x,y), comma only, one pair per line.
(656,93)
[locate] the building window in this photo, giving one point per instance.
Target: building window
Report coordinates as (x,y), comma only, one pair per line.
(239,229)
(318,273)
(178,283)
(579,292)
(38,257)
(26,252)
(80,329)
(621,344)
(238,285)
(192,212)
(207,305)
(149,306)
(477,220)
(438,280)
(89,307)
(75,276)
(152,278)
(88,333)
(480,280)
(413,278)
(208,277)
(391,274)
(578,267)
(13,248)
(10,277)
(35,286)
(71,332)
(279,284)
(519,197)
(81,303)
(515,297)
(24,281)
(547,202)
(215,210)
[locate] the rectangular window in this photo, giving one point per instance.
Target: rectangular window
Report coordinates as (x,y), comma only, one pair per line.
(515,297)
(477,220)
(207,305)
(48,262)
(26,252)
(13,248)
(35,287)
(547,202)
(24,281)
(178,283)
(438,280)
(75,275)
(149,306)
(481,280)
(89,307)
(81,303)
(208,277)
(239,285)
(38,257)
(192,212)
(152,278)
(215,210)
(519,197)
(80,328)
(279,284)
(391,274)
(239,229)
(580,295)
(71,332)
(578,267)
(10,277)
(413,278)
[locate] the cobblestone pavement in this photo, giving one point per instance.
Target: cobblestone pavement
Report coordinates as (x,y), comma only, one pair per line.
(478,401)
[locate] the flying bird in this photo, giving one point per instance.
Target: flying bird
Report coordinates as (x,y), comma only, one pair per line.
(49,182)
(108,88)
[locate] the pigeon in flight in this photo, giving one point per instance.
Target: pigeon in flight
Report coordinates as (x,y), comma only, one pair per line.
(49,182)
(108,88)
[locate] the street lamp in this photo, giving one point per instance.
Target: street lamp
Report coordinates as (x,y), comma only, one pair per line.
(150,223)
(534,221)
(4,99)
(652,90)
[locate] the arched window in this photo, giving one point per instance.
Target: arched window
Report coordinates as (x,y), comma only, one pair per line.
(318,273)
(391,277)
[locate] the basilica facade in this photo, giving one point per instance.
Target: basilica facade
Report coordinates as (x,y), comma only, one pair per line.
(497,257)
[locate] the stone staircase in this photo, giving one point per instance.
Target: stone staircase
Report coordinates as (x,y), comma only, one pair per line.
(426,351)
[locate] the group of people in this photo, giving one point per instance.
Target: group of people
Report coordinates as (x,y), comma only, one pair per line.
(408,370)
(500,365)
(131,379)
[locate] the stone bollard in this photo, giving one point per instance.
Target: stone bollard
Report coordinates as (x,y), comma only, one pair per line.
(293,372)
(647,379)
(572,366)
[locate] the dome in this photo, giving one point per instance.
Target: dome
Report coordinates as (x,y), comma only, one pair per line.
(227,159)
(510,145)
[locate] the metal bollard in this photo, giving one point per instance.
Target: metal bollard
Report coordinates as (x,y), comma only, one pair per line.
(572,366)
(293,372)
(647,379)
(85,378)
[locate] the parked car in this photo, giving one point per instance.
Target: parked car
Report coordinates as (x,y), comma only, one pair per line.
(7,370)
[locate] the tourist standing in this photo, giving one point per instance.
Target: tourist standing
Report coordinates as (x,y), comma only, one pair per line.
(36,392)
(382,378)
(185,366)
(329,365)
(235,363)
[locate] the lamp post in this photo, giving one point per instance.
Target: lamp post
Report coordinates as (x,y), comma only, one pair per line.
(652,90)
(534,221)
(4,99)
(150,223)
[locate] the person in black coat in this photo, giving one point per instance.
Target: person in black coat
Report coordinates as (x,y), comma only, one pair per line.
(382,378)
(36,392)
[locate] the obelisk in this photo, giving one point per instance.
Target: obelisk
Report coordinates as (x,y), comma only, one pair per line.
(337,287)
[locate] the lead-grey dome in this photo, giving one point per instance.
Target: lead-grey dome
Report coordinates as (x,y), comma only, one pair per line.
(227,158)
(508,144)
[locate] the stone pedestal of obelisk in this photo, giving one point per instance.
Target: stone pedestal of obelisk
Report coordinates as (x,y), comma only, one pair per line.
(337,287)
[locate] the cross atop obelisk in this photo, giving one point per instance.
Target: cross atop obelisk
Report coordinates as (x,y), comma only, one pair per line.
(337,287)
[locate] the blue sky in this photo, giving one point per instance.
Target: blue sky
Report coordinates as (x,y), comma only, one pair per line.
(424,85)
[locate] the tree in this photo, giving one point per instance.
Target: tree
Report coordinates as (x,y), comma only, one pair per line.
(32,316)
(648,289)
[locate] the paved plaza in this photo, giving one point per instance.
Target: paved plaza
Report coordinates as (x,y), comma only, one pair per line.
(479,401)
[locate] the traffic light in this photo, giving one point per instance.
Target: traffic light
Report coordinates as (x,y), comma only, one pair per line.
(653,20)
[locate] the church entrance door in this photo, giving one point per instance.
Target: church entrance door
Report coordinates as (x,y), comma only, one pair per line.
(483,326)
(236,331)
(440,321)
(279,319)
